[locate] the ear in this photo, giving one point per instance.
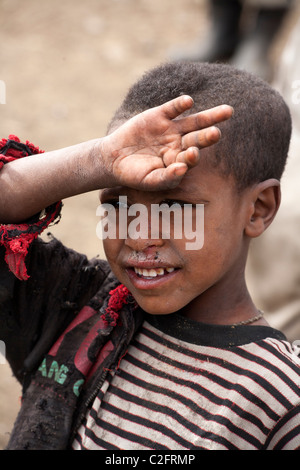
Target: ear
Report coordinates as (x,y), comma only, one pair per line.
(264,200)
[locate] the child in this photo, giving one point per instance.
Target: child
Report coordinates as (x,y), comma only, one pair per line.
(161,347)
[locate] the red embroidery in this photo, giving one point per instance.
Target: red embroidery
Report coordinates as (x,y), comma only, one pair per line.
(16,238)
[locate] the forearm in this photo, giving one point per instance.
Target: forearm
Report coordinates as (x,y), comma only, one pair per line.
(151,151)
(28,185)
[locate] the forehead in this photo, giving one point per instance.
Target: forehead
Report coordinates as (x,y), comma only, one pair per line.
(202,183)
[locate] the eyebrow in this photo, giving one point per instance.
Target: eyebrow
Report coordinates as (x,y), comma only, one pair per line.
(180,191)
(184,192)
(175,193)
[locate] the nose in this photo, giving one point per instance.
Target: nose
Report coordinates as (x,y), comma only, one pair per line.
(145,245)
(140,234)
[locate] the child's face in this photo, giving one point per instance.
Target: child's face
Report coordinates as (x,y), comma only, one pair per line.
(162,274)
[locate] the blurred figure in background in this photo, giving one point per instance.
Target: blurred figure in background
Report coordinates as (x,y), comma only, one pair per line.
(241,32)
(274,261)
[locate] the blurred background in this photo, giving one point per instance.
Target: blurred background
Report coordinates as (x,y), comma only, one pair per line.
(65,65)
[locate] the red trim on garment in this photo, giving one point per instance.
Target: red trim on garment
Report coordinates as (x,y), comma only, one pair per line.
(17,238)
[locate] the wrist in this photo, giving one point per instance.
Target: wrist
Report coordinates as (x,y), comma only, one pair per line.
(106,153)
(87,167)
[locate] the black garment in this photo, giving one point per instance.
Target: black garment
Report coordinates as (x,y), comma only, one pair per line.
(33,315)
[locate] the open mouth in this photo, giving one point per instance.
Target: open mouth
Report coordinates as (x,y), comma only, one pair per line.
(152,272)
(148,278)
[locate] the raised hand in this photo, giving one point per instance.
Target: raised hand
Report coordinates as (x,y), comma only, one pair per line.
(154,149)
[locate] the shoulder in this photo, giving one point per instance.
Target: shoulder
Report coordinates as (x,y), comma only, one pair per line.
(274,353)
(274,368)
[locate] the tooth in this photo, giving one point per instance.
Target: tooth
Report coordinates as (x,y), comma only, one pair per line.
(149,272)
(152,273)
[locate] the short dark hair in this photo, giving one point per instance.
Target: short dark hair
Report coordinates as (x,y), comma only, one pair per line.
(255,141)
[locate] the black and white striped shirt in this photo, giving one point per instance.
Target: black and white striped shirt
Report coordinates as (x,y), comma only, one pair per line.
(186,385)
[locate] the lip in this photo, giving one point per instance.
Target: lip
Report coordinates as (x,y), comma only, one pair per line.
(144,283)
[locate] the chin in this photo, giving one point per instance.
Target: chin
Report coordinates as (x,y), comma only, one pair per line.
(158,308)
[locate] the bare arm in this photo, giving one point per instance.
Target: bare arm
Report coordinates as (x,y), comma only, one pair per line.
(30,184)
(151,151)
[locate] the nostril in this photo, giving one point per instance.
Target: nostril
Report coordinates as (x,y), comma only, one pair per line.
(144,245)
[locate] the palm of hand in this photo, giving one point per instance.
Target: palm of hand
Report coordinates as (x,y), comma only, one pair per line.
(155,149)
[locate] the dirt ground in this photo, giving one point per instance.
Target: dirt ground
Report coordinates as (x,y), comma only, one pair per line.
(66,66)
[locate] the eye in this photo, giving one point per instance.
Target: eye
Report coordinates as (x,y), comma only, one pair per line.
(174,203)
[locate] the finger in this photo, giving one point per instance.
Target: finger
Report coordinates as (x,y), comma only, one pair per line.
(201,139)
(205,119)
(165,178)
(174,108)
(190,157)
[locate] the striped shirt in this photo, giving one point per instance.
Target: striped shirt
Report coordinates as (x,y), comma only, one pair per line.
(186,385)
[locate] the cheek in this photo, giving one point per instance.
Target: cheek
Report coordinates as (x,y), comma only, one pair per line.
(112,249)
(221,246)
(224,246)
